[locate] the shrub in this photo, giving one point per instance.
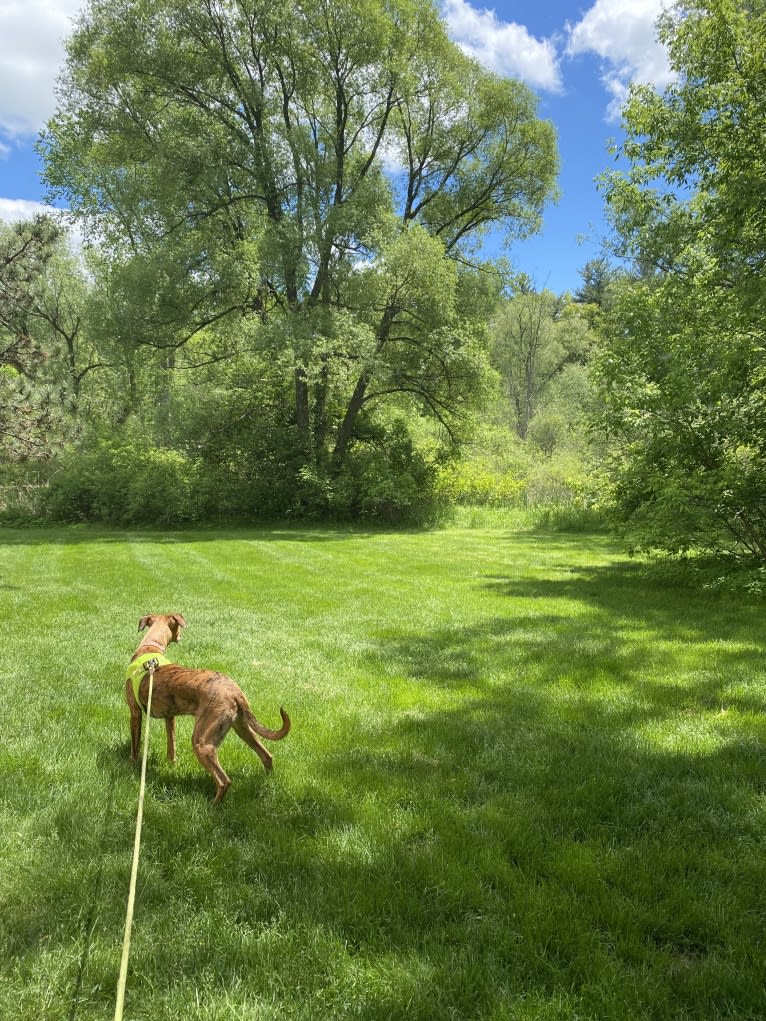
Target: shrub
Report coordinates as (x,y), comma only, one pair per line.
(478,483)
(22,486)
(386,478)
(124,483)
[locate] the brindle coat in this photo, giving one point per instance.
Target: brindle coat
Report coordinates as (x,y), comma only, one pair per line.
(216,702)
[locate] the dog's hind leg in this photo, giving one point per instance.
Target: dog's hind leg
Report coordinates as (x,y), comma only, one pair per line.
(205,740)
(248,735)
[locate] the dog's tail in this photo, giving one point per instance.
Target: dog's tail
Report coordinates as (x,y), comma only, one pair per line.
(271,735)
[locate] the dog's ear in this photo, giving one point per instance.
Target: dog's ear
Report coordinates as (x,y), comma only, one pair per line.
(180,622)
(146,621)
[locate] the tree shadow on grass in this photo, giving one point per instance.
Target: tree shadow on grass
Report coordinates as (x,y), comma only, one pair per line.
(616,863)
(585,811)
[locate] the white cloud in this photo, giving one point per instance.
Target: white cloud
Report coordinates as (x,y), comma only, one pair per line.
(623,33)
(391,159)
(12,210)
(503,47)
(32,33)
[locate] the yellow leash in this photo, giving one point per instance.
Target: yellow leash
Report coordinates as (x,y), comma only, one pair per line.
(134,872)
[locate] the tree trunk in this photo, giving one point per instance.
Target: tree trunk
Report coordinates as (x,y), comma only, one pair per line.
(346,430)
(320,410)
(302,417)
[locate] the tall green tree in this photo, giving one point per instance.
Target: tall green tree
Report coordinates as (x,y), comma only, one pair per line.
(597,276)
(27,411)
(535,336)
(309,179)
(61,321)
(683,366)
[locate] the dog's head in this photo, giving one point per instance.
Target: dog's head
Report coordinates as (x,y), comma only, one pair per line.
(174,621)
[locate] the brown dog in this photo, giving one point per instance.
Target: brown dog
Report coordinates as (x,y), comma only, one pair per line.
(215,701)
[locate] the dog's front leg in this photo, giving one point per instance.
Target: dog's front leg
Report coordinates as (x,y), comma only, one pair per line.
(170,730)
(135,722)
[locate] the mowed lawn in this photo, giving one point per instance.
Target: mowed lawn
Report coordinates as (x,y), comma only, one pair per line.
(524,781)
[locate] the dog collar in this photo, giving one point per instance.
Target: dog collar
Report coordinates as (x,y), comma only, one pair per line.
(137,669)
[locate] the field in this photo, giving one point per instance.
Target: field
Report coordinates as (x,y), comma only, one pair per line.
(524,781)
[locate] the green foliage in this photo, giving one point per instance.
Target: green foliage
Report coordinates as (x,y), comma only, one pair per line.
(547,431)
(534,454)
(251,466)
(29,410)
(234,423)
(682,368)
(477,482)
(688,471)
(535,338)
(240,466)
(22,487)
(310,183)
(388,479)
(124,483)
(700,142)
(500,471)
(597,278)
(285,210)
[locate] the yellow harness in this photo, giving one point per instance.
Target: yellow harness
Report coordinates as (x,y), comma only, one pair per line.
(138,668)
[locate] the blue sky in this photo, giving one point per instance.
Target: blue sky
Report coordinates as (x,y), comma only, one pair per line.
(578,57)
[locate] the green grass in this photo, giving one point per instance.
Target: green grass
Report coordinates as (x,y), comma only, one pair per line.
(523,782)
